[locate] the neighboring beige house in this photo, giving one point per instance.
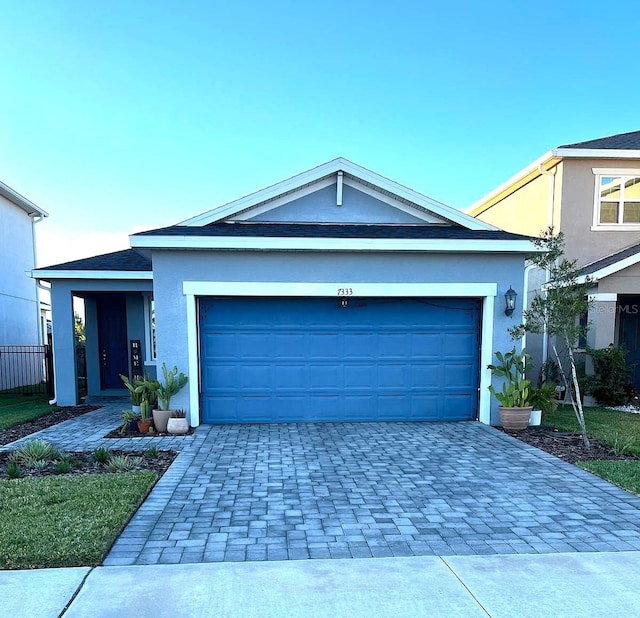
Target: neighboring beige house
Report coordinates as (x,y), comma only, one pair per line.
(591,192)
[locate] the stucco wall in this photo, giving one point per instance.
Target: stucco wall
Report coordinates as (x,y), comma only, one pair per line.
(172,268)
(527,210)
(321,207)
(578,199)
(626,281)
(19,311)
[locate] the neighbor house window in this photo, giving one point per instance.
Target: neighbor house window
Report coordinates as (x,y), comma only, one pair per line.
(618,201)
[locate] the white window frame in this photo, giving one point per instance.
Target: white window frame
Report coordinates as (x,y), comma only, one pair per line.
(149,357)
(622,173)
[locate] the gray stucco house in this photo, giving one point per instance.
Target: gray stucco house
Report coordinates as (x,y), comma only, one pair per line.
(336,294)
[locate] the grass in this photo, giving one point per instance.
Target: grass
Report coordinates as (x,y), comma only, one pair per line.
(619,430)
(66,521)
(16,409)
(623,473)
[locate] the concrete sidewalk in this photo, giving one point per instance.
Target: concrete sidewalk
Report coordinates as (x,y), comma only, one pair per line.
(576,584)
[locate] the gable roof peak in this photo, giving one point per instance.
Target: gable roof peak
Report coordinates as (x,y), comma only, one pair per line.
(320,172)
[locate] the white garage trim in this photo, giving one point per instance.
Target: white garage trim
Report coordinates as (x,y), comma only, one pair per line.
(486,291)
(338,288)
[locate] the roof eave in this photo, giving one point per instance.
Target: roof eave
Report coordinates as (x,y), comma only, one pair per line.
(22,202)
(129,275)
(595,153)
(548,160)
(262,243)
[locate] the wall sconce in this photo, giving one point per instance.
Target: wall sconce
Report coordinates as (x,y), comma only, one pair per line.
(510,301)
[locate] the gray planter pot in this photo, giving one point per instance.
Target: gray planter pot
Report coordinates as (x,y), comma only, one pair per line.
(160,418)
(178,426)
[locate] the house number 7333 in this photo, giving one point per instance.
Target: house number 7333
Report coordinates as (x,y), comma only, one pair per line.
(345,291)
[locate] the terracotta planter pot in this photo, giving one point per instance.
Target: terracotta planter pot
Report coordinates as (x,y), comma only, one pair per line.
(143,426)
(515,419)
(178,426)
(160,418)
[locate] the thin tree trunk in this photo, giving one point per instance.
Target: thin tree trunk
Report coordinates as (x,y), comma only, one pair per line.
(580,411)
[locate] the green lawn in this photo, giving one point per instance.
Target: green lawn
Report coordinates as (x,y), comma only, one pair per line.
(66,520)
(16,409)
(623,473)
(620,430)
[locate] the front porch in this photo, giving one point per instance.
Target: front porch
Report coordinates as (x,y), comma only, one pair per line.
(117,292)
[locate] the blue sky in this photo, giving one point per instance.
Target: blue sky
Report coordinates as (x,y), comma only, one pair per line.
(123,116)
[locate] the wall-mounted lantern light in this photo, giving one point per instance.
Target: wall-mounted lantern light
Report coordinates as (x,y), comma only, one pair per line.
(510,301)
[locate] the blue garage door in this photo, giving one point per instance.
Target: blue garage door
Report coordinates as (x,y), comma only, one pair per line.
(272,360)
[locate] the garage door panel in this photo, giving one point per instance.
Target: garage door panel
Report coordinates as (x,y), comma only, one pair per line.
(323,345)
(458,344)
(289,377)
(360,376)
(456,375)
(393,407)
(427,345)
(284,359)
(289,344)
(425,375)
(253,378)
(251,344)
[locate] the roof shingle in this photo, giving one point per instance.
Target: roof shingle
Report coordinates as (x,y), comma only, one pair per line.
(126,260)
(314,230)
(621,141)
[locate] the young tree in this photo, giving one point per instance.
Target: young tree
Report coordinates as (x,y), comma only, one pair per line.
(556,311)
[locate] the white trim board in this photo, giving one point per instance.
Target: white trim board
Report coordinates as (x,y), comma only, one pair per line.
(327,169)
(486,291)
(43,273)
(601,273)
(262,243)
(333,289)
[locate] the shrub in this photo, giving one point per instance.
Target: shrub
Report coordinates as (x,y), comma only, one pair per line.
(151,452)
(63,467)
(13,470)
(36,450)
(609,383)
(101,455)
(123,463)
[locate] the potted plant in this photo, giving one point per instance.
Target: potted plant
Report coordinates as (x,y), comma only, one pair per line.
(177,423)
(145,422)
(515,408)
(136,391)
(129,421)
(543,400)
(173,384)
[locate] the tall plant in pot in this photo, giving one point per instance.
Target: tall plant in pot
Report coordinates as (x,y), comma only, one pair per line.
(515,408)
(173,383)
(136,390)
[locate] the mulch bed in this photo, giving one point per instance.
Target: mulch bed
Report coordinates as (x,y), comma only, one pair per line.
(115,433)
(24,429)
(567,446)
(83,464)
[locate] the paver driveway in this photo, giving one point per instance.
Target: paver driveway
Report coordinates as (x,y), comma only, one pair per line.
(295,491)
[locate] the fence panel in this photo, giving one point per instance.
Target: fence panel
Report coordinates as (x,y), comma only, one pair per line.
(26,369)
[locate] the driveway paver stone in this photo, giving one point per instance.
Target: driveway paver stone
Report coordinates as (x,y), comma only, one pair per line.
(358,490)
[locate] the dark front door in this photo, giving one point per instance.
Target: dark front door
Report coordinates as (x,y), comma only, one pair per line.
(112,338)
(628,307)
